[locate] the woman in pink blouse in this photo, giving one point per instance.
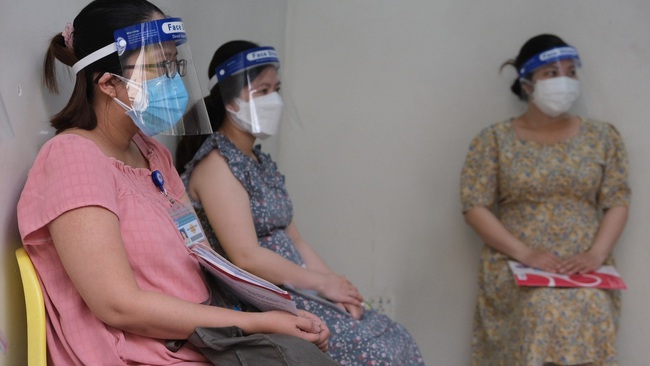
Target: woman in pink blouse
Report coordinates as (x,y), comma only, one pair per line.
(115,272)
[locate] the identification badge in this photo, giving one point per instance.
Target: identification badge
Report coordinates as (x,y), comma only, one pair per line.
(187,223)
(185,218)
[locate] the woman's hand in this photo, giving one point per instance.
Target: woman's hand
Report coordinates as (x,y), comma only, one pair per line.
(543,260)
(305,325)
(324,333)
(355,311)
(582,263)
(338,288)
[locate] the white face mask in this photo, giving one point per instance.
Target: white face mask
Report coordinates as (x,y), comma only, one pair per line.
(556,95)
(261,116)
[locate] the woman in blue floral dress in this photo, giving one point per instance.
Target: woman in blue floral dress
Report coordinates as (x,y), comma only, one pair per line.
(550,190)
(246,212)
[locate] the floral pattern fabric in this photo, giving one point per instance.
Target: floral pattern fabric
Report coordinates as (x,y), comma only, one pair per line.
(373,340)
(549,196)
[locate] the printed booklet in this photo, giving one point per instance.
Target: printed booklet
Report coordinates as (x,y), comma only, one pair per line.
(254,290)
(605,277)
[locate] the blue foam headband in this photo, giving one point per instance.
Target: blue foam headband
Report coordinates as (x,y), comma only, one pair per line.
(155,31)
(245,60)
(548,56)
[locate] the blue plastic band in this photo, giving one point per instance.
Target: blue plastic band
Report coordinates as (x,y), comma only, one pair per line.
(245,60)
(548,56)
(155,31)
(158,180)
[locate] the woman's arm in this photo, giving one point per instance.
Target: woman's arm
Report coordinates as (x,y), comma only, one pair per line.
(609,231)
(312,260)
(90,246)
(495,235)
(315,263)
(226,204)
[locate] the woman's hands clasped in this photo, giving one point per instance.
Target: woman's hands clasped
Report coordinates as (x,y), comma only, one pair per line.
(537,258)
(582,263)
(305,325)
(579,263)
(343,293)
(323,331)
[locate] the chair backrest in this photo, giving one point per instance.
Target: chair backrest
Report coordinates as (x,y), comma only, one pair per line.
(35,309)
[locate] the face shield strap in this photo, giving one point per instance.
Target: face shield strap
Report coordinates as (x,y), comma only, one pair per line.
(212,82)
(546,57)
(243,61)
(93,57)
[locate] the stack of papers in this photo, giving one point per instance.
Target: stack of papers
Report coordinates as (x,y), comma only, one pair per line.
(246,286)
(605,277)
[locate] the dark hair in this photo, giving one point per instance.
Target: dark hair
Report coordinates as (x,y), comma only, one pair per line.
(216,101)
(532,47)
(93,29)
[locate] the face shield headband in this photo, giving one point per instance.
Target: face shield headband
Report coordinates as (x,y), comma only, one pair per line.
(159,75)
(546,57)
(243,61)
(129,38)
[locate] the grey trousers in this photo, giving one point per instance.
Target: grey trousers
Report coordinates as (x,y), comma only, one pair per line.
(228,346)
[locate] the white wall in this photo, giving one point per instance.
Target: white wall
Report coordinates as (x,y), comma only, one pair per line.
(389,95)
(26,27)
(384,98)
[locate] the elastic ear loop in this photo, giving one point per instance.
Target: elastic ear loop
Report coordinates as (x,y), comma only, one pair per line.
(142,88)
(525,81)
(96,81)
(528,82)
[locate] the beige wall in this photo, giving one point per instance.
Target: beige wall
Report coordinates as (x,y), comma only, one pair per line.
(383,97)
(389,95)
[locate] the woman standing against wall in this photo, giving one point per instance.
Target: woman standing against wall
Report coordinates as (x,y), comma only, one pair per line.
(547,189)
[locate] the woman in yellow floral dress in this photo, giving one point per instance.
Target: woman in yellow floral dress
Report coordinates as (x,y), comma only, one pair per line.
(547,189)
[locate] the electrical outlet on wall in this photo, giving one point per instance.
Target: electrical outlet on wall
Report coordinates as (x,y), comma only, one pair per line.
(382,304)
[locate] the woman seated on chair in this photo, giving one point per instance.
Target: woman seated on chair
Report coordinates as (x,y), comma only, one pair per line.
(246,211)
(115,272)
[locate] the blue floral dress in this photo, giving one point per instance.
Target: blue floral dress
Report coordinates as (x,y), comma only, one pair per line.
(373,340)
(550,196)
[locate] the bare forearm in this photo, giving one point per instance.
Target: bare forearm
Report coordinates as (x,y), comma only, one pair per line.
(279,270)
(141,313)
(609,231)
(494,234)
(312,260)
(156,315)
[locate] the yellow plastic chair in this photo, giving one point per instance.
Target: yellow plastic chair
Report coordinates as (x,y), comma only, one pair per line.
(35,309)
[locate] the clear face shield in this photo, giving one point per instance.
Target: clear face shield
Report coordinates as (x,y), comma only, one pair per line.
(164,95)
(249,83)
(164,92)
(550,79)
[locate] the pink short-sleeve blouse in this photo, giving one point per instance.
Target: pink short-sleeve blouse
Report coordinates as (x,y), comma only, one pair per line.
(71,172)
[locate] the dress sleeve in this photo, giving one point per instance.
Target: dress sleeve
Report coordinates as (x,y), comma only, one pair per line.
(479,177)
(614,190)
(69,172)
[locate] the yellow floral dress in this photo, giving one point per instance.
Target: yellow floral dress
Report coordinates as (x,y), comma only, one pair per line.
(550,196)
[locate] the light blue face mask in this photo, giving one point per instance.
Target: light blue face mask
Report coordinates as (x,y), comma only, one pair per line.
(158,104)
